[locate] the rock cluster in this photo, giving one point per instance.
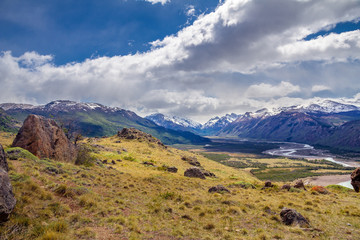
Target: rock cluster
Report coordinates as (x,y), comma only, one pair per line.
(45,139)
(7,199)
(133,133)
(292,217)
(355,179)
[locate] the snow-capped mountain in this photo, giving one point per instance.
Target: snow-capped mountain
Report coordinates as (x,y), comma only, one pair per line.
(220,121)
(60,106)
(322,106)
(174,122)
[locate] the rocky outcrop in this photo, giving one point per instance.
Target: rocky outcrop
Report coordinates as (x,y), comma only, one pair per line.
(319,189)
(194,172)
(218,189)
(45,139)
(172,169)
(191,160)
(7,199)
(286,187)
(292,217)
(300,185)
(3,163)
(133,133)
(355,179)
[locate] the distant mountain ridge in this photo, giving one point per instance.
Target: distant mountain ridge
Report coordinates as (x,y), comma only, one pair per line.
(93,119)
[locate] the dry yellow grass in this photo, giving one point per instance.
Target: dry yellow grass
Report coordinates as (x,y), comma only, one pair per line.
(134,201)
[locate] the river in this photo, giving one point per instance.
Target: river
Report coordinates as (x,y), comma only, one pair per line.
(298,150)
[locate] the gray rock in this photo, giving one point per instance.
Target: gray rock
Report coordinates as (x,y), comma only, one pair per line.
(3,163)
(7,198)
(218,189)
(292,217)
(172,169)
(194,172)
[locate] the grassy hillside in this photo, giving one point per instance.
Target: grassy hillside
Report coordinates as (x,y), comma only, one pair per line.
(130,200)
(8,123)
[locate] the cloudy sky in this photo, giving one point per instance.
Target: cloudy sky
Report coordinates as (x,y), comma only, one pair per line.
(194,58)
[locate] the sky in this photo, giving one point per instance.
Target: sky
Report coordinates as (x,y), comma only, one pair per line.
(190,58)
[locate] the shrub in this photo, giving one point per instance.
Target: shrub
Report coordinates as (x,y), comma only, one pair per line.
(84,156)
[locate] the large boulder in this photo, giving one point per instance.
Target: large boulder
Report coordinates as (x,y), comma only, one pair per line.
(45,139)
(292,217)
(191,160)
(194,172)
(355,179)
(3,163)
(7,199)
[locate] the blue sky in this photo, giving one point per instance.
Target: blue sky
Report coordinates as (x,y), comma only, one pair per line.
(182,57)
(75,30)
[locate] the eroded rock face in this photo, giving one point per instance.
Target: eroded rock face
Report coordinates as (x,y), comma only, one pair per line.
(355,179)
(3,163)
(45,139)
(292,217)
(7,199)
(194,172)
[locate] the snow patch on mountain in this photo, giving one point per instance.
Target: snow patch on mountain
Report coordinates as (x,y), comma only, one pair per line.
(220,121)
(165,120)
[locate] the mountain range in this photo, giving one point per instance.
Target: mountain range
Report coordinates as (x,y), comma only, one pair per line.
(323,123)
(96,120)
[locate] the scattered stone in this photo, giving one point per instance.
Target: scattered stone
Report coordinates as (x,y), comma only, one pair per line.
(53,170)
(45,139)
(113,162)
(118,141)
(191,160)
(194,172)
(119,152)
(172,169)
(218,189)
(124,150)
(118,160)
(292,217)
(300,184)
(105,161)
(133,133)
(268,184)
(355,179)
(149,164)
(3,162)
(186,217)
(7,198)
(286,187)
(320,189)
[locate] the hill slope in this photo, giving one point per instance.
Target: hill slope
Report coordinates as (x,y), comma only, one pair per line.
(131,200)
(8,123)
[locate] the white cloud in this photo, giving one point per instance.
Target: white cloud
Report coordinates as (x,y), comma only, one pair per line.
(244,55)
(190,11)
(163,2)
(265,90)
(319,88)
